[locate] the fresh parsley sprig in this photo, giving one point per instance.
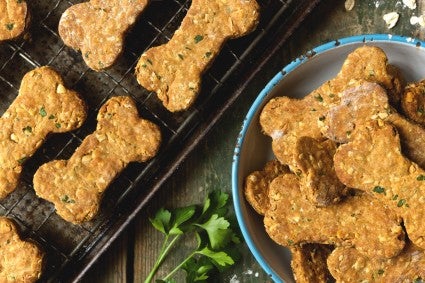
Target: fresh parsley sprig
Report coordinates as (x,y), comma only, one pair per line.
(214,234)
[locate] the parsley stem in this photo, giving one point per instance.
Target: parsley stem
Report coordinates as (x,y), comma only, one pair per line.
(179,266)
(166,247)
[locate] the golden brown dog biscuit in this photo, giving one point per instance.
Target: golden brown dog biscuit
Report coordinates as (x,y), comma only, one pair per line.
(367,102)
(42,106)
(14,18)
(309,263)
(286,119)
(20,261)
(257,185)
(373,162)
(174,70)
(97,28)
(291,219)
(313,161)
(76,185)
(413,102)
(346,264)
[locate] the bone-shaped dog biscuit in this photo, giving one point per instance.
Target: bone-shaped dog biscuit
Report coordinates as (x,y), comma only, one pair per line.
(373,162)
(14,18)
(98,28)
(292,219)
(286,119)
(76,185)
(346,265)
(20,261)
(42,106)
(368,102)
(174,70)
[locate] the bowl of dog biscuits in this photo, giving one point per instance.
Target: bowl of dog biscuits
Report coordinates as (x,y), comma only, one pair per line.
(328,177)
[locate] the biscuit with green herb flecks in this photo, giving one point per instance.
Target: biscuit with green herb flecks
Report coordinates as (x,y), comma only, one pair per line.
(286,119)
(291,220)
(14,17)
(348,265)
(173,70)
(44,105)
(97,28)
(20,261)
(76,185)
(369,102)
(373,162)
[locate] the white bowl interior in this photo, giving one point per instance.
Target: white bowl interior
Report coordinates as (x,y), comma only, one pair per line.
(254,148)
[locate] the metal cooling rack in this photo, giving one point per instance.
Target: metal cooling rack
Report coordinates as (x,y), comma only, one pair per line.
(71,249)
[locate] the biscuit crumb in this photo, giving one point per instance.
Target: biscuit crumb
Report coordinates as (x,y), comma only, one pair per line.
(391,19)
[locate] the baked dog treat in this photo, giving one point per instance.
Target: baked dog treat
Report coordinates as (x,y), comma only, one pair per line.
(291,220)
(309,263)
(20,261)
(75,186)
(348,265)
(369,102)
(286,119)
(396,182)
(42,106)
(14,17)
(413,102)
(173,70)
(314,163)
(97,28)
(257,185)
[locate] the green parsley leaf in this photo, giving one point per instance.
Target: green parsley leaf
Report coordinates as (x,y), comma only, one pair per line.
(319,98)
(221,258)
(379,190)
(217,230)
(42,112)
(10,26)
(66,199)
(421,177)
(216,240)
(161,221)
(198,38)
(22,160)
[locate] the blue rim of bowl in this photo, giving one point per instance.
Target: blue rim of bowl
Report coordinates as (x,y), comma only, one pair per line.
(257,103)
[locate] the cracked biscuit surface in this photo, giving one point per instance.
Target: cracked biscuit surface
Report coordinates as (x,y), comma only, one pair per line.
(173,70)
(43,106)
(20,261)
(76,185)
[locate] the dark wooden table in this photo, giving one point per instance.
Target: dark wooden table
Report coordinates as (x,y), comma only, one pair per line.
(131,257)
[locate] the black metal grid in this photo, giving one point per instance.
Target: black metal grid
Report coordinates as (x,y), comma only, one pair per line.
(65,243)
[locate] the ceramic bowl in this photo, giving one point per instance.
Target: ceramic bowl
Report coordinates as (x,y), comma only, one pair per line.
(298,79)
